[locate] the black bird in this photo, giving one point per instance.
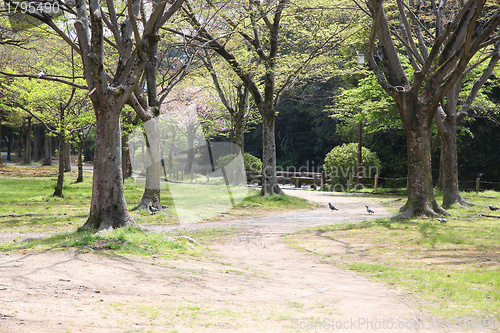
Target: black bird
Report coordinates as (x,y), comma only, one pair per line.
(493,208)
(441,220)
(153,210)
(332,207)
(369,210)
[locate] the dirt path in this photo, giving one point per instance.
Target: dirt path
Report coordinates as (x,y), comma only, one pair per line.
(253,282)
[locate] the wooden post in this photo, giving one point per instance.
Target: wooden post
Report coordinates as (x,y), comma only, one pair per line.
(208,177)
(478,182)
(349,183)
(375,184)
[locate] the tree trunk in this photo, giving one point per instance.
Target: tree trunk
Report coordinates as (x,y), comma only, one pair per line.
(449,176)
(447,124)
(108,208)
(126,162)
(269,180)
(151,195)
(67,157)
(27,156)
(79,179)
(191,151)
(10,147)
(38,134)
(47,149)
(421,199)
(448,167)
(60,176)
(239,132)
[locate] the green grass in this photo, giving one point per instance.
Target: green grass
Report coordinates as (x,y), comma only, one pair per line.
(27,205)
(455,266)
(119,241)
(275,201)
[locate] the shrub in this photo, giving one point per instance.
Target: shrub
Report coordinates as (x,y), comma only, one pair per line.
(342,160)
(252,163)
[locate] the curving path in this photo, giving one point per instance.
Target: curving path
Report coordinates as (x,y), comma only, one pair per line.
(252,282)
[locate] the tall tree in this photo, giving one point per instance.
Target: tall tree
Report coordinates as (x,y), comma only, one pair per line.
(275,61)
(133,32)
(438,60)
(159,67)
(448,118)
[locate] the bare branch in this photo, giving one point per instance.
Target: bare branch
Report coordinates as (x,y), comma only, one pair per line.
(407,35)
(378,13)
(263,15)
(173,9)
(495,56)
(208,64)
(47,78)
(133,9)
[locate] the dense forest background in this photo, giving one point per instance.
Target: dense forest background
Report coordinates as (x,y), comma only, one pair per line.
(306,132)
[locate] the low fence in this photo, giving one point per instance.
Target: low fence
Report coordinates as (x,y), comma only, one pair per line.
(320,180)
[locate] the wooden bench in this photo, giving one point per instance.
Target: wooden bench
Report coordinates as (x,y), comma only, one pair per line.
(298,181)
(288,177)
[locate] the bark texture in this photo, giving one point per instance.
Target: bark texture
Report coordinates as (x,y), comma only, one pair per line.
(108,208)
(79,179)
(269,180)
(60,175)
(67,156)
(47,149)
(421,200)
(27,152)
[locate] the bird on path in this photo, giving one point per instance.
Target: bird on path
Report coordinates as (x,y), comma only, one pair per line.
(369,210)
(332,207)
(493,208)
(153,210)
(40,75)
(441,220)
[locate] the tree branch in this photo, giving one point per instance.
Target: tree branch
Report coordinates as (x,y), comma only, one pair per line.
(208,64)
(47,78)
(478,84)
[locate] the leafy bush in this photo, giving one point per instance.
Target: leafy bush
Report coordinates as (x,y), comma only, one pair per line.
(342,160)
(252,163)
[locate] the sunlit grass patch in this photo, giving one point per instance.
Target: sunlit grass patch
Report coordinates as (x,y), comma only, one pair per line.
(121,241)
(27,204)
(207,235)
(254,199)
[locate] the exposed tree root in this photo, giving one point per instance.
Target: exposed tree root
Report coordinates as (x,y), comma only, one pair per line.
(102,223)
(268,190)
(459,201)
(430,208)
